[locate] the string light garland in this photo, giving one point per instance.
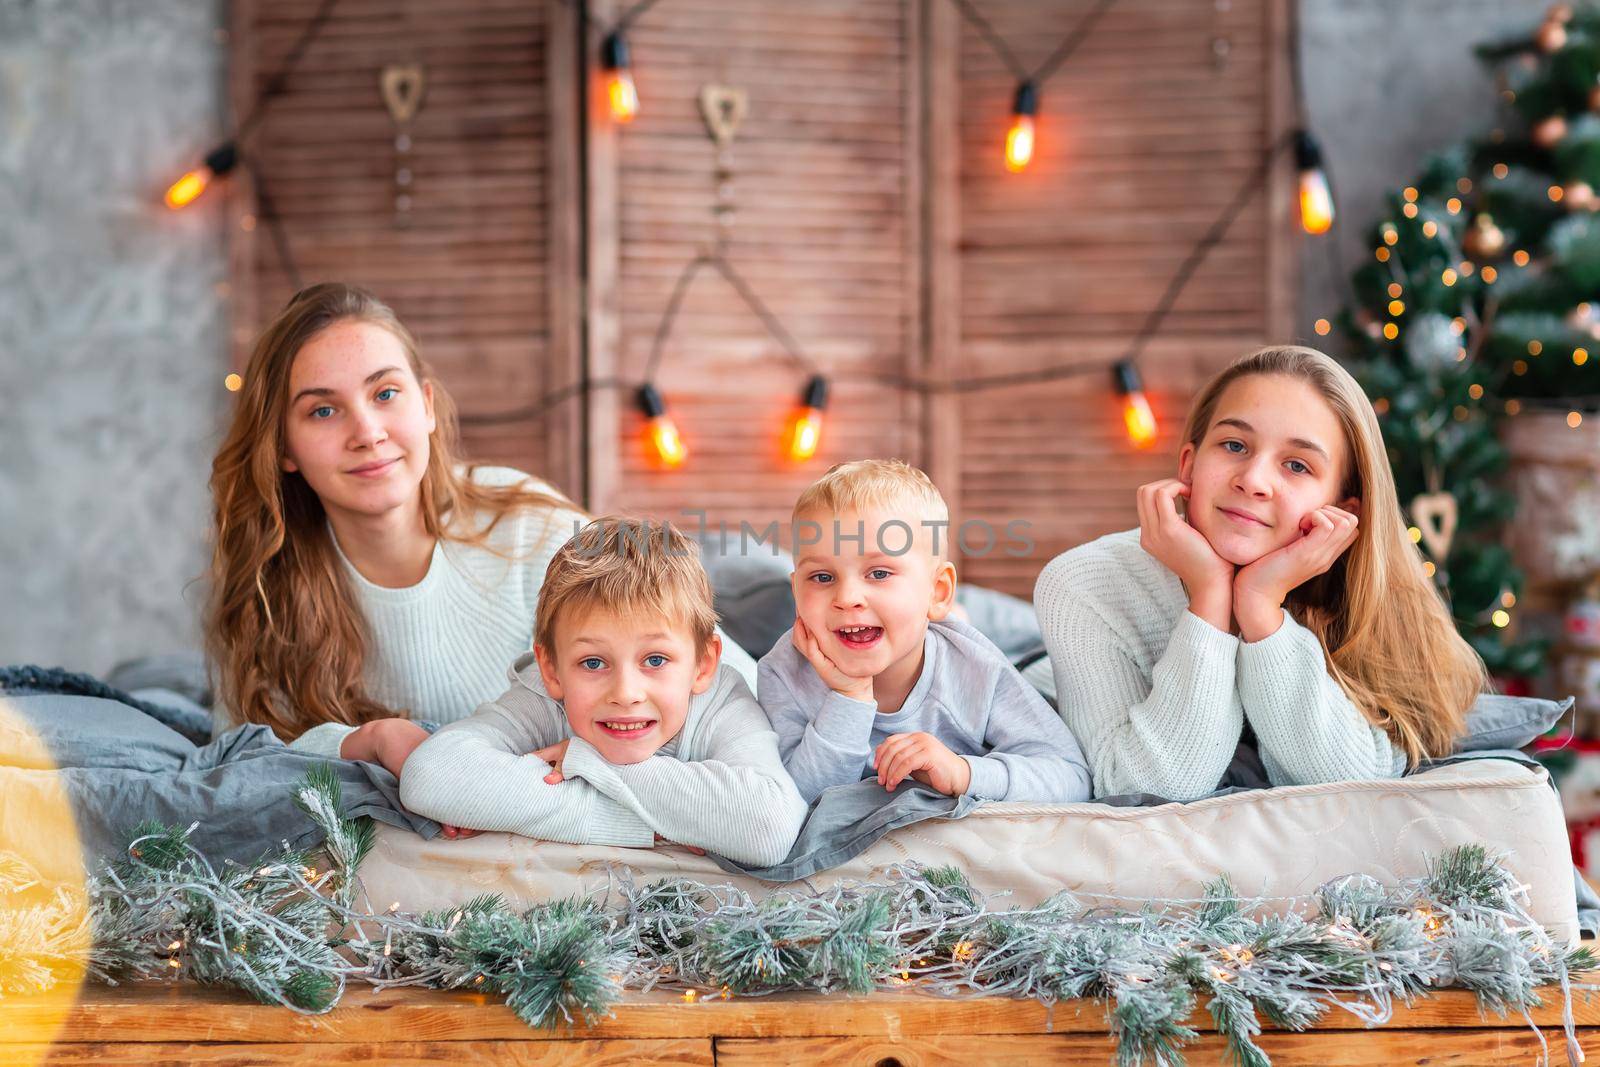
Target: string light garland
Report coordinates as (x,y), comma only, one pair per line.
(803,431)
(1020,137)
(221,160)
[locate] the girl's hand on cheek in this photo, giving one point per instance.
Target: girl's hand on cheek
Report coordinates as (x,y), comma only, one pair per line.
(1261,588)
(1184,550)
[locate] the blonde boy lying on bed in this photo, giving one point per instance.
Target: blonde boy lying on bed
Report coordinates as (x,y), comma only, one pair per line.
(621,727)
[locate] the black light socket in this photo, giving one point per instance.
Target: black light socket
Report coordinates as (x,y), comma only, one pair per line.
(816,394)
(614,52)
(1026,102)
(650,401)
(1307,153)
(1126,376)
(223,158)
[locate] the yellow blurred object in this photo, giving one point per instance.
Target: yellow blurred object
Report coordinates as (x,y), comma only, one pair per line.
(45,933)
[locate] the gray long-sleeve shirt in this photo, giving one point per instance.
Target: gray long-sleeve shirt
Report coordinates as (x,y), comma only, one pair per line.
(968,696)
(718,785)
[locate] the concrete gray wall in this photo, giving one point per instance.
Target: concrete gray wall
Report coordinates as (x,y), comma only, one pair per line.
(112,328)
(1389,83)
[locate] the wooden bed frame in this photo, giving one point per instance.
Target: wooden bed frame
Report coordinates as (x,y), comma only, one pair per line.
(179,1024)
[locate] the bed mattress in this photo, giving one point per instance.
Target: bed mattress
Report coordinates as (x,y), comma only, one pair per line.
(1278,843)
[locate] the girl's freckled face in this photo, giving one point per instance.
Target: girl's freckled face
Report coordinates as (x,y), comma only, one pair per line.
(1274,453)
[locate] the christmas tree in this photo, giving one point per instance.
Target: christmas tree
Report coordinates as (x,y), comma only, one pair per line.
(1481,301)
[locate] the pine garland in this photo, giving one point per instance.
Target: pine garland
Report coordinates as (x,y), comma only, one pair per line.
(290,933)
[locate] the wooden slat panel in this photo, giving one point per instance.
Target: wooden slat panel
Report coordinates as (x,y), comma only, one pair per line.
(1143,140)
(827,235)
(471,270)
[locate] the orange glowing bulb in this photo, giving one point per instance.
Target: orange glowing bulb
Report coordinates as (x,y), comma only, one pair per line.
(621,93)
(804,432)
(1316,198)
(1019,138)
(1139,419)
(1137,414)
(667,442)
(188,188)
(660,431)
(1019,143)
(1316,202)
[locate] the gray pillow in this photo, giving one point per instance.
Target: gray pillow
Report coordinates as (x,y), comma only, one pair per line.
(1493,722)
(1498,721)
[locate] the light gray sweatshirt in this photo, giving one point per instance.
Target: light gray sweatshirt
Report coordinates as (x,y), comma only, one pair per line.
(968,696)
(718,785)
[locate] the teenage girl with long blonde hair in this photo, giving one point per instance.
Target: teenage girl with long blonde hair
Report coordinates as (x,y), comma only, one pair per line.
(1284,597)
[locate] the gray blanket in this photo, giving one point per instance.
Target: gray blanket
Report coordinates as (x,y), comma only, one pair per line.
(120,766)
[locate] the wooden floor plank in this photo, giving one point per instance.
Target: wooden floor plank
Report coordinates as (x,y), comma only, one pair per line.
(680,1053)
(162,1012)
(1393,1048)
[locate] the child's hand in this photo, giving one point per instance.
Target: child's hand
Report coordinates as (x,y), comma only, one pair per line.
(924,758)
(1260,589)
(388,742)
(679,844)
(1184,550)
(845,685)
(553,755)
(458,833)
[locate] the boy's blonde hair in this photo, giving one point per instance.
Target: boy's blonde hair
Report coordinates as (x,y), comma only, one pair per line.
(876,483)
(627,567)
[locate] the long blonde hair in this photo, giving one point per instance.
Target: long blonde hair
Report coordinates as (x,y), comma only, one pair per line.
(1389,639)
(284,633)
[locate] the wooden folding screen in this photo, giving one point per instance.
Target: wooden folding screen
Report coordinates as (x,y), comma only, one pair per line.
(873,217)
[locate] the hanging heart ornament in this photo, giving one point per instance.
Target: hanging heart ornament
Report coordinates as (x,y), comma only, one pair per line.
(723,108)
(1435,515)
(402,88)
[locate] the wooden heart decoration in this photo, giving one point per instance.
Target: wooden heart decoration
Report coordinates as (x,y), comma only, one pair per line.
(402,88)
(1435,515)
(723,108)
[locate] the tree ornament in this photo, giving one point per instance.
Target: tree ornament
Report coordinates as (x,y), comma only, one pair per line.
(1561,13)
(1435,515)
(1484,240)
(1551,37)
(1549,132)
(1594,98)
(1579,196)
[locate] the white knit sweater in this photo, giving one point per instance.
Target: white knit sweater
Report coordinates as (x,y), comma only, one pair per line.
(441,647)
(1158,697)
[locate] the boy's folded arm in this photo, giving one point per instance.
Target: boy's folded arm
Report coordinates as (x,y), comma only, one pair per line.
(827,746)
(477,774)
(738,802)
